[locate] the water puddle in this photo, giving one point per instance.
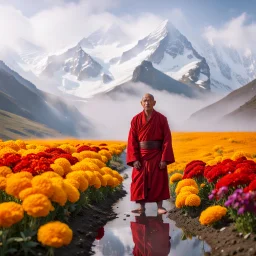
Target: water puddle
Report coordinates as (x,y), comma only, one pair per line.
(132,234)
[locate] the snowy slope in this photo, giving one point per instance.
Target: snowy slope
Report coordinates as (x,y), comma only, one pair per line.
(230,68)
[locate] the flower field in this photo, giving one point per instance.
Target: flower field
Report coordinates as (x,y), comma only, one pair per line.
(214,178)
(43,182)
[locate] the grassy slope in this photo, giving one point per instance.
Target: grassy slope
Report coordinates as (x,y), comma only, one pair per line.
(13,127)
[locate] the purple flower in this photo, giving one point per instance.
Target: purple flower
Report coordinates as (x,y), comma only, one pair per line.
(241,210)
(222,191)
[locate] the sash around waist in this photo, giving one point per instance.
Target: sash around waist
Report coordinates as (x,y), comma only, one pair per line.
(151,144)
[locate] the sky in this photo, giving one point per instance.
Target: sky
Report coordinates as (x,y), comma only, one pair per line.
(62,23)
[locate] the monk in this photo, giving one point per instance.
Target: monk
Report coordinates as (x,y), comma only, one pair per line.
(149,151)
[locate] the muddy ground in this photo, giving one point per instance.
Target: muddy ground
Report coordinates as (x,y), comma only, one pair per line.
(86,224)
(224,242)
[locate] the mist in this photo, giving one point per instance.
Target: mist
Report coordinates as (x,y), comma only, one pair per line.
(111,116)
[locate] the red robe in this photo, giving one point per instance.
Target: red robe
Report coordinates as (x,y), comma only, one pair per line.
(149,183)
(150,236)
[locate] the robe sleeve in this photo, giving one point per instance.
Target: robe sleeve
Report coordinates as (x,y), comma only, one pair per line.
(167,151)
(133,152)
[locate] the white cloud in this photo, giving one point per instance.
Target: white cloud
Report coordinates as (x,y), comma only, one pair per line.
(237,33)
(112,118)
(13,25)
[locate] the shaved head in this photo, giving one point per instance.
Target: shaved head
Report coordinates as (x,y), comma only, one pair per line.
(148,95)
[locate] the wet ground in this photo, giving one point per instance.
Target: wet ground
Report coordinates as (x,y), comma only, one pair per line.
(132,234)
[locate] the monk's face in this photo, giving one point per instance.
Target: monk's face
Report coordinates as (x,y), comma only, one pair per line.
(148,103)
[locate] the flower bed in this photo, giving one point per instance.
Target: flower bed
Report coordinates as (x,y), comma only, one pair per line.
(43,182)
(219,191)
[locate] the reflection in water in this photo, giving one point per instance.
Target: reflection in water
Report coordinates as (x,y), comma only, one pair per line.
(150,236)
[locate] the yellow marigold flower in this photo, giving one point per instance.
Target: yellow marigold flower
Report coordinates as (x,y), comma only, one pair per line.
(109,179)
(90,154)
(193,200)
(90,177)
(59,195)
(11,144)
(19,175)
(97,183)
(58,169)
(3,181)
(79,176)
(185,182)
(102,180)
(181,198)
(21,144)
(37,205)
(116,182)
(99,164)
(192,189)
(104,159)
(6,150)
(29,191)
(202,185)
(212,214)
(57,181)
(64,163)
(54,234)
(4,171)
(14,186)
(71,191)
(66,148)
(50,175)
(73,182)
(107,170)
(31,146)
(10,213)
(44,184)
(239,154)
(78,156)
(176,177)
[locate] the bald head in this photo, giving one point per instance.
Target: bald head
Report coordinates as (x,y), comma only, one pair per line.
(148,95)
(148,102)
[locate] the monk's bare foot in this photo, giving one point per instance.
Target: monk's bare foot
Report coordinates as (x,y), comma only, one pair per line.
(161,210)
(139,210)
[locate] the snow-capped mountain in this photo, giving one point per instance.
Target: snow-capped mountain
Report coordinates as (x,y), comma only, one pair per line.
(112,34)
(107,58)
(74,61)
(230,68)
(173,54)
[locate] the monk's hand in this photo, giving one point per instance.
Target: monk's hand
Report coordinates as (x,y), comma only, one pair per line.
(137,164)
(162,165)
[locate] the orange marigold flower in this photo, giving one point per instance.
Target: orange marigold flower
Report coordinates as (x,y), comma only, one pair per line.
(44,184)
(10,213)
(59,195)
(27,192)
(64,163)
(181,198)
(73,182)
(58,169)
(97,183)
(193,200)
(185,182)
(14,186)
(37,205)
(192,189)
(212,214)
(3,181)
(54,234)
(4,171)
(176,177)
(50,174)
(79,176)
(71,191)
(109,179)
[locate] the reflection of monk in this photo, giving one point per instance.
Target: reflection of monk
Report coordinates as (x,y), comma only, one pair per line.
(151,236)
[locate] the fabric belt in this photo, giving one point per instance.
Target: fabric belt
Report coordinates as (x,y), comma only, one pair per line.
(153,144)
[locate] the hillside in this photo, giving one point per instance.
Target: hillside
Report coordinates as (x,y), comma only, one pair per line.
(13,127)
(227,104)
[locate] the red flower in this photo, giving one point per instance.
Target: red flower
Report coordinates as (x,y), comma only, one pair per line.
(103,144)
(194,168)
(83,148)
(104,149)
(234,180)
(10,159)
(73,160)
(55,151)
(100,233)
